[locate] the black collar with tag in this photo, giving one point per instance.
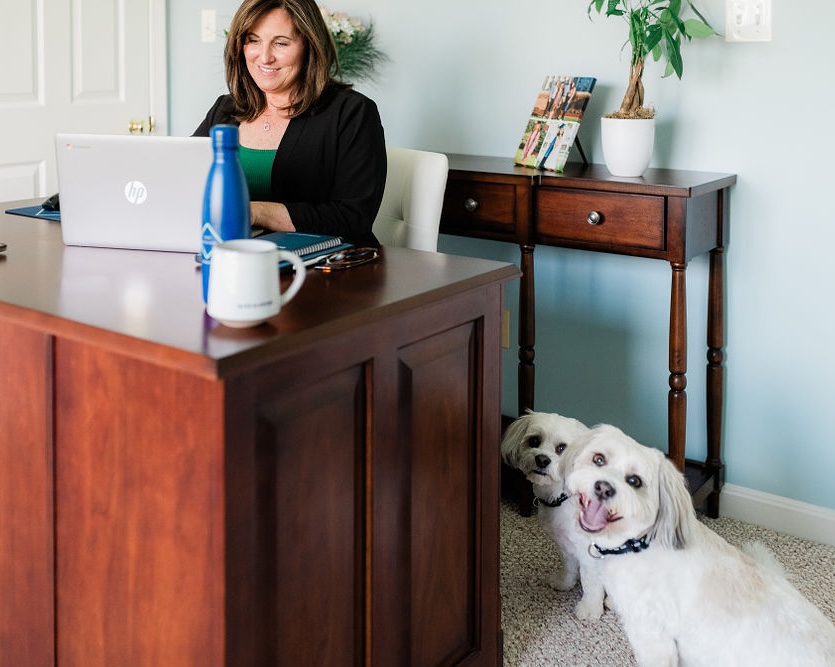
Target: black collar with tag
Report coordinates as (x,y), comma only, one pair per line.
(633,546)
(552,502)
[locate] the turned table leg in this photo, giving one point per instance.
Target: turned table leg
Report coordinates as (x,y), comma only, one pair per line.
(715,373)
(527,330)
(677,397)
(527,341)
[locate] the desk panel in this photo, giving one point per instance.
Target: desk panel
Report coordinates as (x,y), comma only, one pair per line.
(27,618)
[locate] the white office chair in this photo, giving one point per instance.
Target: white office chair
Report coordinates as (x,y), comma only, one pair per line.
(414,195)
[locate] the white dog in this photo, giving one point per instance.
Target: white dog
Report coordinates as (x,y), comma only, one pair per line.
(536,444)
(684,596)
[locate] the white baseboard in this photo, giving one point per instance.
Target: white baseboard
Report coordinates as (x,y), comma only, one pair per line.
(788,516)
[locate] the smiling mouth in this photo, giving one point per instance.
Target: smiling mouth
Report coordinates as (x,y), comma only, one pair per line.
(594,515)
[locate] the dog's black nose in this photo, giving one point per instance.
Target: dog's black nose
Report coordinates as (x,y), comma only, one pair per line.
(603,490)
(542,461)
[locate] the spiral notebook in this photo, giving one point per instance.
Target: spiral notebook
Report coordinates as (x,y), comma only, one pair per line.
(310,247)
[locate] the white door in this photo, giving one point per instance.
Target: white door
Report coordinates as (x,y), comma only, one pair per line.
(74,66)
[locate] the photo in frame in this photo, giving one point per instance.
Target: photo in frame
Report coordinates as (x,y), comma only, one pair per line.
(554,122)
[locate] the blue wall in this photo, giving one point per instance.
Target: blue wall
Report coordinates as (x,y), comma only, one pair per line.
(462,78)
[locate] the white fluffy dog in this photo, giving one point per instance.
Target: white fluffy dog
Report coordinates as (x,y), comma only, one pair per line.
(684,596)
(536,444)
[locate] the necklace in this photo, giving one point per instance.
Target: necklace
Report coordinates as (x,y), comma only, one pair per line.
(266,127)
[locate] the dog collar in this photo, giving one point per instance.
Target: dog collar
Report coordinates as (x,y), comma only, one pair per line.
(553,502)
(632,546)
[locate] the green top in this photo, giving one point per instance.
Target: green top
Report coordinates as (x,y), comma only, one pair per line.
(258,169)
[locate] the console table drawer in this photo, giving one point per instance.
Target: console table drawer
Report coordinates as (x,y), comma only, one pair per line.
(480,208)
(600,219)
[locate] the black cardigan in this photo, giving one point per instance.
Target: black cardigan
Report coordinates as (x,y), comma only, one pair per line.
(330,169)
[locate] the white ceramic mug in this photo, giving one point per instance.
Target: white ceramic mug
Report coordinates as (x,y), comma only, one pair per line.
(244,285)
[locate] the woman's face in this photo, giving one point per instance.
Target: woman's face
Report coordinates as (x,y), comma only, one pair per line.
(274,53)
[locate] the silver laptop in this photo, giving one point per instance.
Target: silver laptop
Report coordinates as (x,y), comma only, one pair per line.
(137,192)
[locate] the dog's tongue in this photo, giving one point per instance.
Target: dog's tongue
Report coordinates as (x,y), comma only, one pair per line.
(595,516)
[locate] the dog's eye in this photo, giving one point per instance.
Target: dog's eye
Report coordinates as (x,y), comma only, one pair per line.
(534,441)
(561,448)
(634,481)
(599,460)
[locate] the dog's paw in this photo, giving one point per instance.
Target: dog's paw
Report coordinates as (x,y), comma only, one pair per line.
(587,610)
(562,580)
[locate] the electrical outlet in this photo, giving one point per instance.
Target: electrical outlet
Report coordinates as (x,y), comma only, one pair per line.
(748,21)
(506,329)
(208,25)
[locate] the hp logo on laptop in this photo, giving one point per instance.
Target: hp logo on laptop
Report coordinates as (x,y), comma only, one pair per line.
(136,192)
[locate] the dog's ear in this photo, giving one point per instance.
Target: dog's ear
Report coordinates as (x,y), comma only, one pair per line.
(579,445)
(512,440)
(578,428)
(675,522)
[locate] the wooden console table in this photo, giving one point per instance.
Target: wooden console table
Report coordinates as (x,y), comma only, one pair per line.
(320,490)
(666,214)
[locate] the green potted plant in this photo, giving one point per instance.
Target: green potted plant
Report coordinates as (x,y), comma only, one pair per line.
(358,55)
(657,28)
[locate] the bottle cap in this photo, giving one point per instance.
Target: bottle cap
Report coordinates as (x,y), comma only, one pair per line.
(224,136)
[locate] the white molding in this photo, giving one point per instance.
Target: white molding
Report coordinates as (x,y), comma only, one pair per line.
(158,83)
(788,516)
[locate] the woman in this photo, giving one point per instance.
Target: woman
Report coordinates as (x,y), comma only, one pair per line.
(312,148)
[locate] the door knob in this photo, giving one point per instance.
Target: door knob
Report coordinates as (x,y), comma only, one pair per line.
(138,126)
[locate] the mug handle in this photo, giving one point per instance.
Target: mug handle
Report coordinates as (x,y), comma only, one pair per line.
(299,276)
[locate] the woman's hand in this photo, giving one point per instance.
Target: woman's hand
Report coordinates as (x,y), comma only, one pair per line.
(271,215)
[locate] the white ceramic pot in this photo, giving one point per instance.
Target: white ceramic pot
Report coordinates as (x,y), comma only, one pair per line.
(627,144)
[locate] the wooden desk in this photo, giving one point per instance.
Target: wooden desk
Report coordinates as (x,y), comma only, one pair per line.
(667,215)
(321,490)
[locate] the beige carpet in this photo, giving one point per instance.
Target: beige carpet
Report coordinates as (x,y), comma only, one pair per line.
(539,626)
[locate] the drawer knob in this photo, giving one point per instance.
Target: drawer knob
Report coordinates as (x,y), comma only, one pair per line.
(470,204)
(594,218)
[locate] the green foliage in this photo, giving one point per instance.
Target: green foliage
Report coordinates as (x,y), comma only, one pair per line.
(359,57)
(657,28)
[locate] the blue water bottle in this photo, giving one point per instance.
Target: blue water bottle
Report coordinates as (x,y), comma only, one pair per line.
(226,199)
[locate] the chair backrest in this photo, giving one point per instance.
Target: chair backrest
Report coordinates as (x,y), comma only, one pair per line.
(412,200)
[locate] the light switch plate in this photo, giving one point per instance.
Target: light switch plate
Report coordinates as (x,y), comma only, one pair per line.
(748,21)
(208,25)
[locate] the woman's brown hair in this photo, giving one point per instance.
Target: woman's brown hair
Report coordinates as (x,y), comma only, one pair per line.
(319,65)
